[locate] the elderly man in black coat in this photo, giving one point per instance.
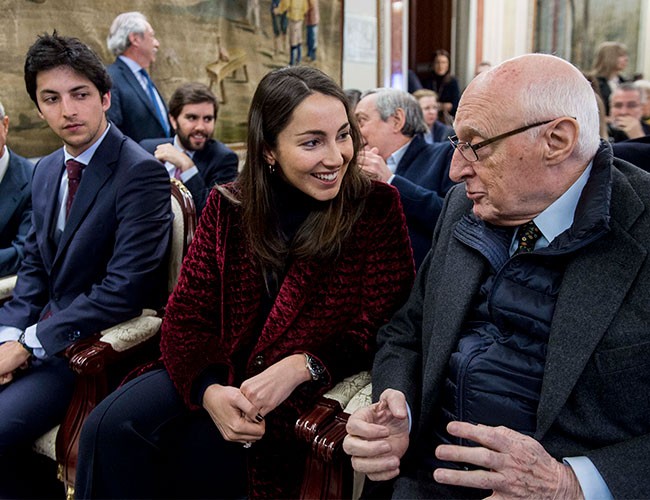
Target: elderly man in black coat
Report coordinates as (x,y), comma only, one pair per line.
(519,365)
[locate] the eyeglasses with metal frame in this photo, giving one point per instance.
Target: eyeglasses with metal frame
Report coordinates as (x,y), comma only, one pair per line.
(469,151)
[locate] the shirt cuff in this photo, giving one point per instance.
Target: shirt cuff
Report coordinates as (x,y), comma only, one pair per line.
(592,483)
(32,341)
(189,173)
(9,333)
(390,179)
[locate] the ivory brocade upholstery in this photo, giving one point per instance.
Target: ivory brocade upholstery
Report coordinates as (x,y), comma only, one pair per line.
(348,389)
(7,285)
(178,246)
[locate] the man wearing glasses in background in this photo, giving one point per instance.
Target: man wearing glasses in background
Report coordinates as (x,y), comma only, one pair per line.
(518,367)
(626,109)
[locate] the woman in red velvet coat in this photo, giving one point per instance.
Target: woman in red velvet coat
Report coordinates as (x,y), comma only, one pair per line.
(292,270)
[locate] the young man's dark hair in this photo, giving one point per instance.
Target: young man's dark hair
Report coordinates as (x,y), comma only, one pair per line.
(52,51)
(191,93)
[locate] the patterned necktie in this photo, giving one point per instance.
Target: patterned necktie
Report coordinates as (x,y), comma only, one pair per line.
(527,236)
(154,100)
(74,169)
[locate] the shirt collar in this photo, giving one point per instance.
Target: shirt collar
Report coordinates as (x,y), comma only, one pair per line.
(394,159)
(87,155)
(559,215)
(179,146)
(133,66)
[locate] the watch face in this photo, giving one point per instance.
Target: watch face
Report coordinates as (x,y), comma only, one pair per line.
(315,368)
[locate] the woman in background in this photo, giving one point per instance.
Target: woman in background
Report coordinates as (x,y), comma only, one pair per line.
(611,61)
(444,84)
(292,270)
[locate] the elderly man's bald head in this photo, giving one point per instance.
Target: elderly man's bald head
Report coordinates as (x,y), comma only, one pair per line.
(526,130)
(535,87)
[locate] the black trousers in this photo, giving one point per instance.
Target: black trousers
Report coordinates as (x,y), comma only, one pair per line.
(143,442)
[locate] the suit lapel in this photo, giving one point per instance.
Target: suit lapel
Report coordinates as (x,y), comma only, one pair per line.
(94,177)
(53,171)
(587,303)
(413,150)
(137,88)
(200,157)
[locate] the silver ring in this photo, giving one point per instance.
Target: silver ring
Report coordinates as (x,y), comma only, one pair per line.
(248,444)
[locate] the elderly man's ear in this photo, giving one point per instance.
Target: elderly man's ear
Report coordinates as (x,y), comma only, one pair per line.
(397,120)
(561,140)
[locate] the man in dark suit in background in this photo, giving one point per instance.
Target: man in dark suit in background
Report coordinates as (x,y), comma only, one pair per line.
(94,255)
(522,352)
(192,155)
(15,202)
(137,107)
(392,126)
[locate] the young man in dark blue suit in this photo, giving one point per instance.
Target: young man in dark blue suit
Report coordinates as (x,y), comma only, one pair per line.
(137,107)
(15,202)
(392,126)
(192,155)
(94,255)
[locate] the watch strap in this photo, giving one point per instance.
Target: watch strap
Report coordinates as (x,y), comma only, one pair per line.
(21,341)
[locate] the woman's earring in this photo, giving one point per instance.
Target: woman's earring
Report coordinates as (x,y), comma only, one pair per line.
(271,168)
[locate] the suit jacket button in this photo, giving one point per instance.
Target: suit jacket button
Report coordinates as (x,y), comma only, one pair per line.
(258,361)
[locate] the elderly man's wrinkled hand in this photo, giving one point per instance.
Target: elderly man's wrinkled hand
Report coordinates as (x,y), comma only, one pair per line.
(511,464)
(378,436)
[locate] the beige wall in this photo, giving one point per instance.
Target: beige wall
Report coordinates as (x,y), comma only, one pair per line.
(360,64)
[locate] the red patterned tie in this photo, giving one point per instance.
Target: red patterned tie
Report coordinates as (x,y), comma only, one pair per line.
(74,169)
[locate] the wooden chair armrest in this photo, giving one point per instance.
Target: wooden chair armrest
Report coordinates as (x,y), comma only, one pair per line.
(323,413)
(113,344)
(328,471)
(330,441)
(329,405)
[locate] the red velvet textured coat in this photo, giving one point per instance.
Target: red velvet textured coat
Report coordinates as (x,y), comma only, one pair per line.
(330,310)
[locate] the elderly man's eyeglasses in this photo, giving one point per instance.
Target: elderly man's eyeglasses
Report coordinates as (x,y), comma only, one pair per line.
(469,151)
